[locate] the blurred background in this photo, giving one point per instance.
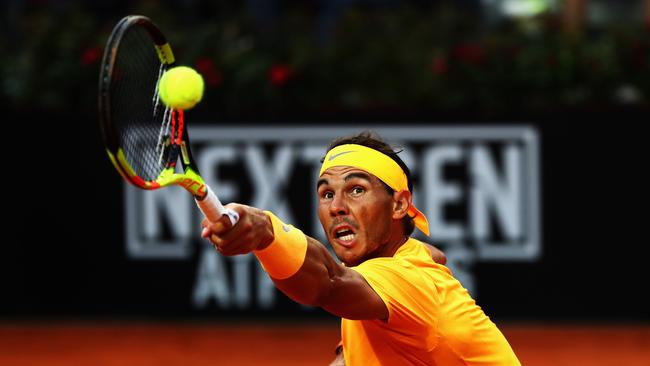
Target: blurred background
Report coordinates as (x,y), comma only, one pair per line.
(522,121)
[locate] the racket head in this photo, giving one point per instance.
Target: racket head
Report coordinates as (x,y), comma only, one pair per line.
(143,137)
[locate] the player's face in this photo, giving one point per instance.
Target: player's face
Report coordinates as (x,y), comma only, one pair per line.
(356,213)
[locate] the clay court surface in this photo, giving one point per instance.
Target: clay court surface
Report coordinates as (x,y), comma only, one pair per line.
(212,344)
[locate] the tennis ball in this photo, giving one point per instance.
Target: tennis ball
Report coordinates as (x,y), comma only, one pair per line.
(180,87)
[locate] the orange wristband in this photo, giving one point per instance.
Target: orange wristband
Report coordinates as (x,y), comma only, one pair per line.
(286,254)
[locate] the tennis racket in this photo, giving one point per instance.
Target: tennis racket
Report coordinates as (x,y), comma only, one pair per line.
(144,138)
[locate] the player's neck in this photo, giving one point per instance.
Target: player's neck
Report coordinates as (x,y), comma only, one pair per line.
(391,246)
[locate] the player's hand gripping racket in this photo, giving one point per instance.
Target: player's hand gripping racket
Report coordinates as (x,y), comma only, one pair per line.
(144,138)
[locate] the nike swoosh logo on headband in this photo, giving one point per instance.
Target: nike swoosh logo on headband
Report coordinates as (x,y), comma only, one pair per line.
(332,157)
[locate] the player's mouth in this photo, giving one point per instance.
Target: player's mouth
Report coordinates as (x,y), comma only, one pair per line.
(344,235)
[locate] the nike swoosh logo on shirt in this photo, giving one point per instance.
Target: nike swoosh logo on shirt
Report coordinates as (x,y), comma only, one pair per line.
(332,157)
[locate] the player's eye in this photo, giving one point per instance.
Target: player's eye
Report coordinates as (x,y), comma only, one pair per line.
(356,191)
(328,195)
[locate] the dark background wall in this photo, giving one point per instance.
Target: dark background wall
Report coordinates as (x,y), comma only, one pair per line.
(390,63)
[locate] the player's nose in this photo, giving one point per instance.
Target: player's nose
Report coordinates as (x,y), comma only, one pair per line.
(338,206)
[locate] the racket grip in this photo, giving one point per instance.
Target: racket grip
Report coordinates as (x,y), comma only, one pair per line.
(214,210)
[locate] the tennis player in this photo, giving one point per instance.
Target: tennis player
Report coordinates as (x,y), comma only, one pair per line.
(398,306)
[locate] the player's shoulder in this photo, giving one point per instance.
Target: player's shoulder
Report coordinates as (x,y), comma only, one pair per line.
(414,253)
(410,258)
(411,250)
(404,276)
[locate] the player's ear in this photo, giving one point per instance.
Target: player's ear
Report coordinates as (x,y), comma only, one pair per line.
(401,204)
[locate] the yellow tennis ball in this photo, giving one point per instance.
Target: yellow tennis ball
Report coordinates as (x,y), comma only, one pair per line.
(181,87)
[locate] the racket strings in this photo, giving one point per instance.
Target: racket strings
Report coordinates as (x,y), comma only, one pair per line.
(163,136)
(156,98)
(141,120)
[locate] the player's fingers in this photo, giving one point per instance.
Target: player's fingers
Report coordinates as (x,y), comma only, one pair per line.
(242,228)
(216,240)
(218,248)
(241,239)
(253,223)
(205,222)
(239,245)
(229,245)
(224,224)
(205,233)
(231,248)
(221,226)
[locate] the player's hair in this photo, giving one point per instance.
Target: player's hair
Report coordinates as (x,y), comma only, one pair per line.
(374,141)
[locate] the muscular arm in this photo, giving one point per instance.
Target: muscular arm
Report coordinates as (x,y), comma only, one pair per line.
(320,281)
(341,291)
(323,282)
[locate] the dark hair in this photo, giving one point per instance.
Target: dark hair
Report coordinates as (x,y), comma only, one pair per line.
(372,140)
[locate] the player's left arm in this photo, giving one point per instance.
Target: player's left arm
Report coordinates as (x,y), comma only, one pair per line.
(437,254)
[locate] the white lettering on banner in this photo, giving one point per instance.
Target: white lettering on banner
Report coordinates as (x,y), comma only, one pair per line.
(488,191)
(311,155)
(209,162)
(269,178)
(439,192)
(478,186)
(213,282)
(146,216)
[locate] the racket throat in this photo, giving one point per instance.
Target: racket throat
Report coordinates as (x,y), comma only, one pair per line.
(174,141)
(178,124)
(174,152)
(185,154)
(173,156)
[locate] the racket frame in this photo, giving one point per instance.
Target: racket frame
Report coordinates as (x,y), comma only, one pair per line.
(190,179)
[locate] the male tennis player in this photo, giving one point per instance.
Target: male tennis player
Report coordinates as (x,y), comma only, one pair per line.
(398,306)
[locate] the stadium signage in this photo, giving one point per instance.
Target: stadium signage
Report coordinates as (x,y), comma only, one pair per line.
(479,186)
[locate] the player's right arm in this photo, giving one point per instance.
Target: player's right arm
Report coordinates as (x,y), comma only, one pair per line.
(323,282)
(318,281)
(339,290)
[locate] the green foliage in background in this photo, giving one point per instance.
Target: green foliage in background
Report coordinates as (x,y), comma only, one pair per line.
(400,58)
